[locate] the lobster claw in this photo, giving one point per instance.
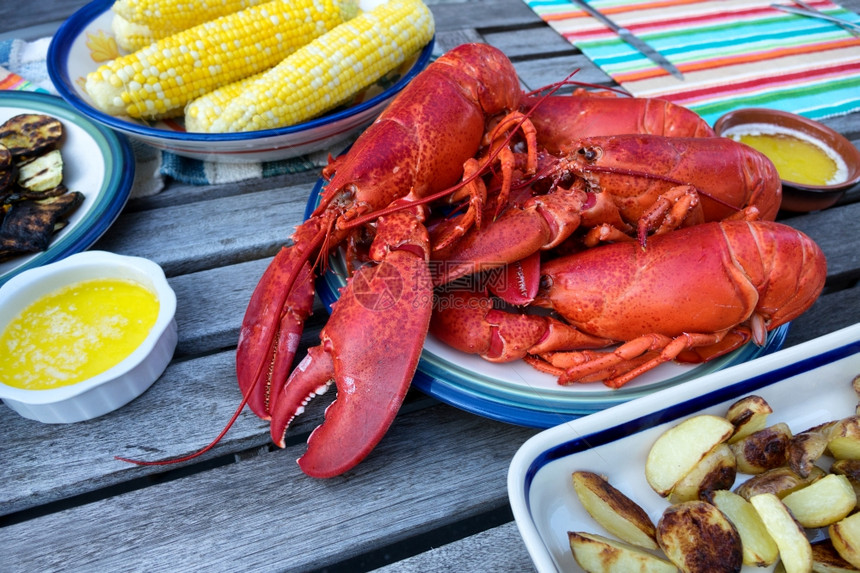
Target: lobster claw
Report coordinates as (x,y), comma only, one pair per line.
(369,348)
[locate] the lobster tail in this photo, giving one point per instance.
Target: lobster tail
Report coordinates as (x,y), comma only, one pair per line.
(787,268)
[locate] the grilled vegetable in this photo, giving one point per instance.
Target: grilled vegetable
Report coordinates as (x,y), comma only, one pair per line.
(41,173)
(29,225)
(30,133)
(326,72)
(160,79)
(138,23)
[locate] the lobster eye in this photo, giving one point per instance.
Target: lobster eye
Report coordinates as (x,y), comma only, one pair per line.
(589,153)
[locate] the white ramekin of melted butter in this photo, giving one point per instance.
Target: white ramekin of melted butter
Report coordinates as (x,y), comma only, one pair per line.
(84,336)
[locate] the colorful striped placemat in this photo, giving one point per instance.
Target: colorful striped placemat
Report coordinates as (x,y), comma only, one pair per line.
(733,53)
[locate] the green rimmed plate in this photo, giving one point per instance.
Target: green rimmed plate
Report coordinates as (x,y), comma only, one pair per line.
(97,162)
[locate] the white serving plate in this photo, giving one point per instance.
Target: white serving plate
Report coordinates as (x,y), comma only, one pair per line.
(85,41)
(805,385)
(97,162)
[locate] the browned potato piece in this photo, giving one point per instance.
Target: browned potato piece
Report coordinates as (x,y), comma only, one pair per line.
(677,451)
(599,554)
(697,537)
(759,548)
(614,511)
(845,536)
(821,503)
(717,470)
(849,469)
(844,443)
(807,447)
(825,559)
(795,551)
(763,450)
(748,415)
(779,481)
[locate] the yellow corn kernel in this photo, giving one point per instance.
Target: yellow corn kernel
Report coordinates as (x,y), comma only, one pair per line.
(331,69)
(165,17)
(159,80)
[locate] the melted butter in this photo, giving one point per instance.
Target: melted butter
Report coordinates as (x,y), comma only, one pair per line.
(797,157)
(75,333)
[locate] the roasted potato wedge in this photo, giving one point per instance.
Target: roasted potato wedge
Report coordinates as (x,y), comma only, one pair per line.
(844,443)
(778,481)
(759,548)
(599,554)
(849,469)
(717,470)
(697,537)
(807,447)
(30,133)
(823,502)
(845,536)
(825,559)
(614,511)
(748,415)
(763,450)
(795,552)
(677,451)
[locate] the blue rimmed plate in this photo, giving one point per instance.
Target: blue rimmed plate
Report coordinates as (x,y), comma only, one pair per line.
(515,392)
(86,40)
(805,385)
(97,162)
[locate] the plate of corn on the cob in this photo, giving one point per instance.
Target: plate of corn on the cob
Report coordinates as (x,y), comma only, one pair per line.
(239,80)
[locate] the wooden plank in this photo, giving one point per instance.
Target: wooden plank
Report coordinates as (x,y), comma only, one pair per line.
(208,234)
(498,549)
(833,230)
(263,514)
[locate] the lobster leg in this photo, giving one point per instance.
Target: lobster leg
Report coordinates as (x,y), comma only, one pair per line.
(372,373)
(467,321)
(542,222)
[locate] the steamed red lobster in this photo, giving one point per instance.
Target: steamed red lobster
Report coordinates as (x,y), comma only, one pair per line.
(757,276)
(525,174)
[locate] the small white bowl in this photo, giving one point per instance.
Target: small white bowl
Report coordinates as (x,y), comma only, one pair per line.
(116,386)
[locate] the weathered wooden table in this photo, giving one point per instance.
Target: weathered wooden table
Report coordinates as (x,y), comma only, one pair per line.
(431,497)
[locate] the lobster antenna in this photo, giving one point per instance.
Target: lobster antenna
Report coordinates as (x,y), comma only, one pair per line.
(320,238)
(361,220)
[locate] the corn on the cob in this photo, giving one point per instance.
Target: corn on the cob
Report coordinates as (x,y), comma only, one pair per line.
(202,112)
(160,79)
(138,23)
(328,71)
(130,36)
